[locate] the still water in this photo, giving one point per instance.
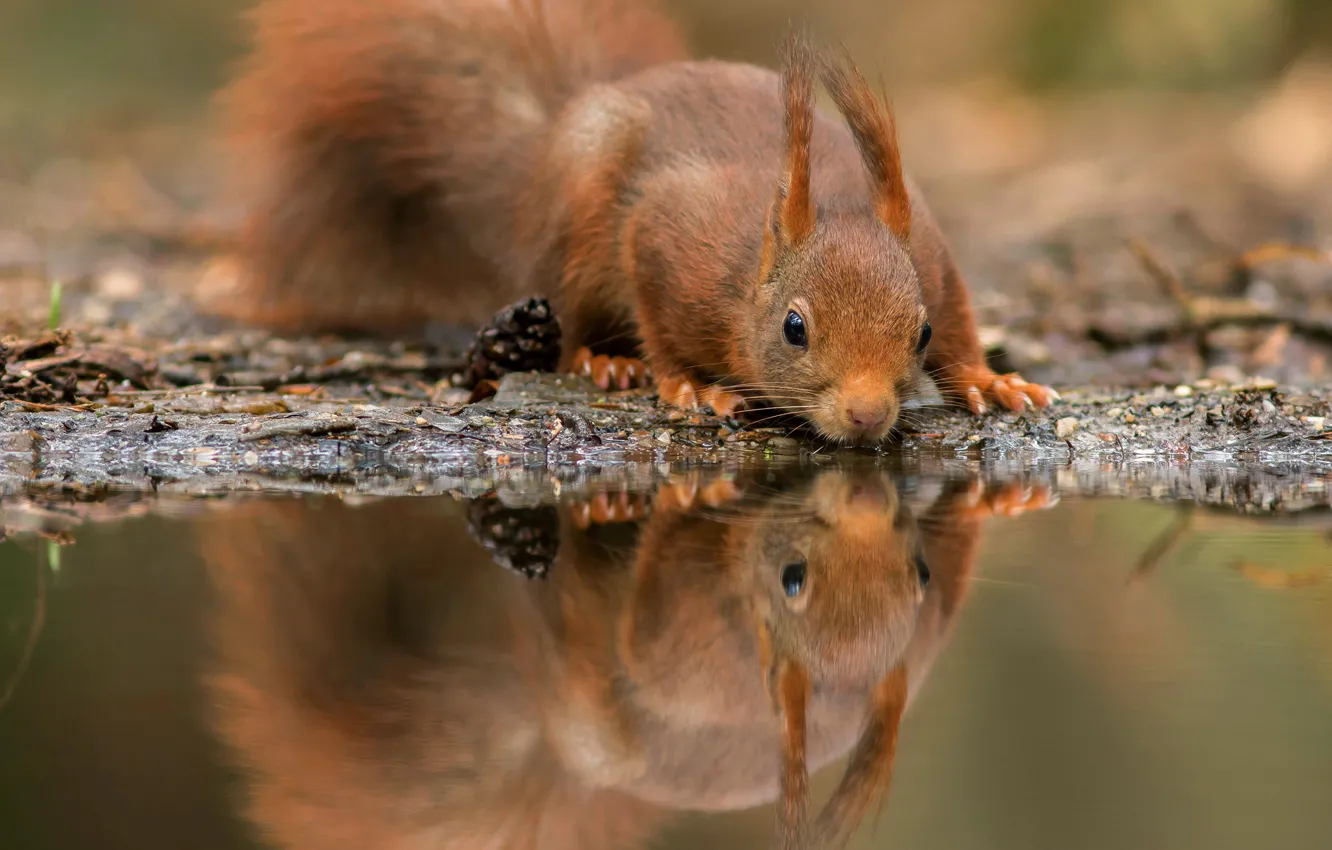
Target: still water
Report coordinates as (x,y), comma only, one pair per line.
(975,667)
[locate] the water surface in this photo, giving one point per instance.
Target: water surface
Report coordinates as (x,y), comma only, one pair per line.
(319,673)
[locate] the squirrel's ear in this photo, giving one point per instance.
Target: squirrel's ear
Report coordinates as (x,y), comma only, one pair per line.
(787,684)
(792,690)
(869,771)
(791,217)
(875,131)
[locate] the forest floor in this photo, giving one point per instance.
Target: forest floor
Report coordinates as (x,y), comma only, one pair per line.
(1181,305)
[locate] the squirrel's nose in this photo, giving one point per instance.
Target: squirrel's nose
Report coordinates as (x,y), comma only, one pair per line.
(865,414)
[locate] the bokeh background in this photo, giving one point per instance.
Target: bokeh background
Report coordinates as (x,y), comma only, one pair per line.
(1046,133)
(75,74)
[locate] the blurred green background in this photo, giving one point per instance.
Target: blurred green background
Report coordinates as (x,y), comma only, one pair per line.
(79,60)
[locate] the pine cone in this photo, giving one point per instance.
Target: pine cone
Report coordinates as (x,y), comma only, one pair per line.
(524,540)
(523,337)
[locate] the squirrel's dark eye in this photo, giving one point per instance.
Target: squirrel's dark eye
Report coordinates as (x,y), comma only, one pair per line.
(925,333)
(922,571)
(793,578)
(793,329)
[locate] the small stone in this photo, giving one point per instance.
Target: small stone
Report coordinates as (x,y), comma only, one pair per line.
(1065,427)
(1316,422)
(1204,384)
(1158,411)
(422,421)
(1268,406)
(1183,391)
(250,458)
(663,436)
(1130,418)
(1263,384)
(1114,411)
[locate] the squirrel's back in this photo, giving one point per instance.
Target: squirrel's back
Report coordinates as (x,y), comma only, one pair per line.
(384,145)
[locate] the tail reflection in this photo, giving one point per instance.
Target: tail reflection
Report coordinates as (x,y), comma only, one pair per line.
(385,684)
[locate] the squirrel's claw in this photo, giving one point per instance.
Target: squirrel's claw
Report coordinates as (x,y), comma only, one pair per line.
(620,373)
(980,387)
(1008,499)
(681,392)
(685,494)
(604,508)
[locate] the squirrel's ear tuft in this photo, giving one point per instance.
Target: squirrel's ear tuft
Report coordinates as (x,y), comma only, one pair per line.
(875,131)
(791,218)
(869,770)
(796,219)
(793,690)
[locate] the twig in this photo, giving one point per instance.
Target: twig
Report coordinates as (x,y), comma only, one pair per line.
(299,428)
(34,632)
(38,407)
(196,388)
(1166,277)
(1269,251)
(1163,543)
(1267,577)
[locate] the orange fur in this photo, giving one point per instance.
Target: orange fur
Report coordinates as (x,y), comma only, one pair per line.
(875,132)
(416,160)
(797,206)
(378,696)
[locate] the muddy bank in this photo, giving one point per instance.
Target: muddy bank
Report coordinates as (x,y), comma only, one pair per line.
(1256,448)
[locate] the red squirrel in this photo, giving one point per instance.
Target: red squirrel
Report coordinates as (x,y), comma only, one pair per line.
(700,225)
(708,655)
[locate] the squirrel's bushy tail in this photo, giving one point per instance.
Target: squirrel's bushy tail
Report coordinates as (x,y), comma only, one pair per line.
(382,146)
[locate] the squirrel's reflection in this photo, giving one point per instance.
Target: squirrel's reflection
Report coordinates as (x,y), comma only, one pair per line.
(385,685)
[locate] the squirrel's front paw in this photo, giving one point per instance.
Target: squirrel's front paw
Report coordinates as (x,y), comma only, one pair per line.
(681,392)
(603,509)
(1007,499)
(684,494)
(611,372)
(980,388)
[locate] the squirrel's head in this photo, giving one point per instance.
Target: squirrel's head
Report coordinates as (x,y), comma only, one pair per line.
(836,602)
(842,328)
(838,579)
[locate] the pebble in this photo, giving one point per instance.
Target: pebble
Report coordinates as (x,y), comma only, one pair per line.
(1263,384)
(1268,406)
(663,436)
(1065,427)
(1183,390)
(1114,411)
(422,421)
(1316,422)
(1158,411)
(1130,418)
